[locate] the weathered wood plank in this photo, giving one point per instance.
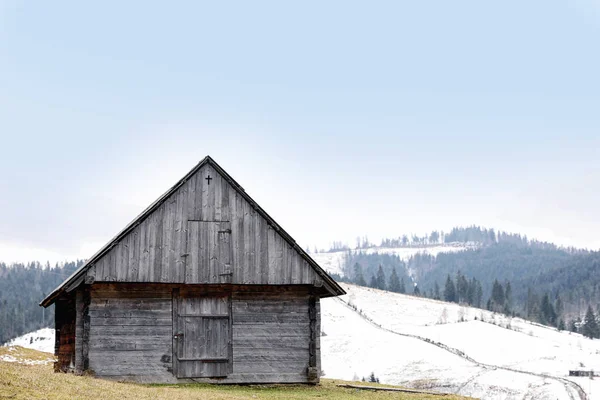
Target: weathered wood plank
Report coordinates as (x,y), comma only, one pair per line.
(248,238)
(130,313)
(120,343)
(236,238)
(131,355)
(208,193)
(299,356)
(144,251)
(318,338)
(131,304)
(250,342)
(261,305)
(177,329)
(387,389)
(180,238)
(157,248)
(262,258)
(166,232)
(131,321)
(191,210)
(106,367)
(134,255)
(126,330)
(126,292)
(280,367)
(239,319)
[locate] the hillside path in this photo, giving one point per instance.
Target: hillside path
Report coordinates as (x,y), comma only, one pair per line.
(572,388)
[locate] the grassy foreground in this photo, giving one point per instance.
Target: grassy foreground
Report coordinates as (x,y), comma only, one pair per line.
(32,377)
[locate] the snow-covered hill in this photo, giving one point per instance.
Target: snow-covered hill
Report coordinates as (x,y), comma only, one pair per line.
(333,262)
(425,343)
(41,340)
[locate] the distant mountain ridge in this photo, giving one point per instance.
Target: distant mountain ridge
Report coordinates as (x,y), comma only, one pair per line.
(530,269)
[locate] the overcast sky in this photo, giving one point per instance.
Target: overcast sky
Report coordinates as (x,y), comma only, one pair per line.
(341,119)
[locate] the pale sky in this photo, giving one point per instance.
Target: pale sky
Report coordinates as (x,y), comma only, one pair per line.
(341,119)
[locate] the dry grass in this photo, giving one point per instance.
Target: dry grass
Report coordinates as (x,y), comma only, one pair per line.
(22,381)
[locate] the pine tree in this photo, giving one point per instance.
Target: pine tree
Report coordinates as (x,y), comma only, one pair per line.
(507,298)
(359,278)
(402,286)
(590,325)
(380,280)
(496,302)
(559,307)
(471,290)
(548,316)
(462,287)
(394,285)
(478,295)
(573,326)
(416,290)
(373,282)
(449,290)
(436,291)
(533,306)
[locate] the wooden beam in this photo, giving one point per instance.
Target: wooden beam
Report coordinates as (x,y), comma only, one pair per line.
(388,389)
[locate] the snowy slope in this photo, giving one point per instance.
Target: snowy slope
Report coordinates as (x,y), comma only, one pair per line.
(333,262)
(479,357)
(41,340)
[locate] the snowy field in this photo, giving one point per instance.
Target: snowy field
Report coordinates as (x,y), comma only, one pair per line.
(334,262)
(474,352)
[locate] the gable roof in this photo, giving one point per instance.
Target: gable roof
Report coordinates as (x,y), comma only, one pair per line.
(76,278)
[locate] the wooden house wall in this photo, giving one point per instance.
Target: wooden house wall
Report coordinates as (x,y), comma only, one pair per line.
(271,337)
(154,250)
(131,334)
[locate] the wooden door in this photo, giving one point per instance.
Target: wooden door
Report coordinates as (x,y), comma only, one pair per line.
(208,252)
(202,341)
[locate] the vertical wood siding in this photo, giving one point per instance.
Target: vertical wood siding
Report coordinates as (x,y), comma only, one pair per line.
(154,251)
(203,336)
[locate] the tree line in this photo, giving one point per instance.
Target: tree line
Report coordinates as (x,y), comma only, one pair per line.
(22,287)
(463,290)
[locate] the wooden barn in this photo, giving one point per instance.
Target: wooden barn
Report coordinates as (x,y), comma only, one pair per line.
(202,286)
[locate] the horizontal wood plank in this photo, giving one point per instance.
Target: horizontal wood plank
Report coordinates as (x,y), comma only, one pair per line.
(254,319)
(131,321)
(124,330)
(129,313)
